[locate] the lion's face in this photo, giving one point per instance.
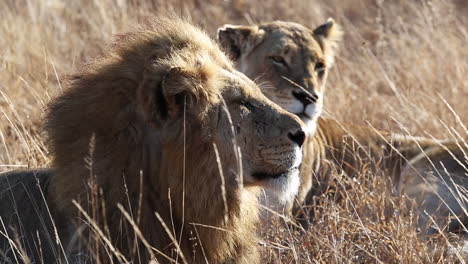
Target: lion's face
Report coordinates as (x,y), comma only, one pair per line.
(256,142)
(290,61)
(268,137)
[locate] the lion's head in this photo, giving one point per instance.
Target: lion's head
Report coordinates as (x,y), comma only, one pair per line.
(289,60)
(165,106)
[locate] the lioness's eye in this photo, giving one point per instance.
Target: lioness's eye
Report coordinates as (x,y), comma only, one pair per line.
(278,60)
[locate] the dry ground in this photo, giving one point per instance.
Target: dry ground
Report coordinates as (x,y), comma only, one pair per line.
(403,66)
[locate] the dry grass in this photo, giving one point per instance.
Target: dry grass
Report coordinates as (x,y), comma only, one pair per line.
(403,66)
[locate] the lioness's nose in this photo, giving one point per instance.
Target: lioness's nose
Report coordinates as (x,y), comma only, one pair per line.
(298,137)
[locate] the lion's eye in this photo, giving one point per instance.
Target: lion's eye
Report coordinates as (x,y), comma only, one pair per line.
(278,60)
(320,68)
(248,105)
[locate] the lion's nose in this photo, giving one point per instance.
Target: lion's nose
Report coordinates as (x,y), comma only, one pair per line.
(298,137)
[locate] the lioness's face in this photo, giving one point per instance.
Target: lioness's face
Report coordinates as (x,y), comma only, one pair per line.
(290,62)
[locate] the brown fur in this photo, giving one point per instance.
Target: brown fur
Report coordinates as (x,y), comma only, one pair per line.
(342,146)
(117,133)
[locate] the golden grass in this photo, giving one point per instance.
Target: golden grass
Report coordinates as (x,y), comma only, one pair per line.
(403,66)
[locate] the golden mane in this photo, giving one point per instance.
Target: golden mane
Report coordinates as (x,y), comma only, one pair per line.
(110,125)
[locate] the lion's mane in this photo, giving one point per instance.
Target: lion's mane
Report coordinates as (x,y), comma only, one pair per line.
(96,131)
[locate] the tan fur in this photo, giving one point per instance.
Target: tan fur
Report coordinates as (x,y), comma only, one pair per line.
(342,146)
(139,127)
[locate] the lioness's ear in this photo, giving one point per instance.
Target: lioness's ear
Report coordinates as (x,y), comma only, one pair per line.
(328,36)
(239,40)
(165,97)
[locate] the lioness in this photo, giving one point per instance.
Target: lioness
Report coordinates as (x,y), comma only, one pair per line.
(292,62)
(163,125)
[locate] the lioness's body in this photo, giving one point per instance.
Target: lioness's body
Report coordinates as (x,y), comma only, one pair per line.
(292,62)
(422,169)
(149,126)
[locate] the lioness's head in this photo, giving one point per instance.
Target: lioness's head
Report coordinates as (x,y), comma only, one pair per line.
(289,60)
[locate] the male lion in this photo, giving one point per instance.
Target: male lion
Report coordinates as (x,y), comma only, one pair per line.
(292,62)
(163,125)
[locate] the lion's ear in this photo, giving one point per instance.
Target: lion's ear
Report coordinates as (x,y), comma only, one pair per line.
(328,35)
(178,86)
(165,97)
(239,40)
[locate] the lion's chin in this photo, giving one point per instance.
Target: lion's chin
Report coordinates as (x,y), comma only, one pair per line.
(281,187)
